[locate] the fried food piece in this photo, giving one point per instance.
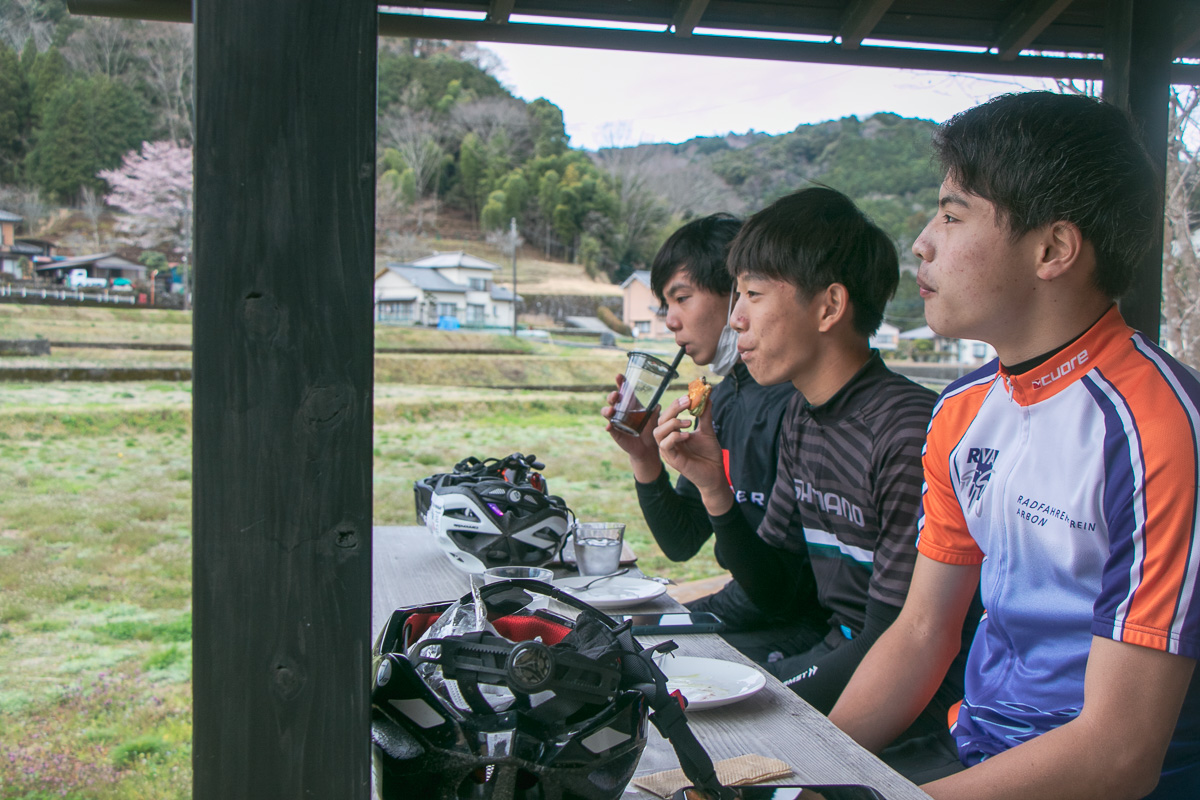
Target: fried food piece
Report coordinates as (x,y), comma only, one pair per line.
(698,392)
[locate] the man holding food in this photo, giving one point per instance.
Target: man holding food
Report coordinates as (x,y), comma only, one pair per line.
(690,280)
(813,277)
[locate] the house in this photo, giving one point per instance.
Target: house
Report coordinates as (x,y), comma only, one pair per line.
(886,338)
(960,351)
(641,310)
(10,255)
(442,287)
(98,265)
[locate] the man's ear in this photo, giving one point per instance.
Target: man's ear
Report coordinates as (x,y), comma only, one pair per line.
(834,306)
(1060,250)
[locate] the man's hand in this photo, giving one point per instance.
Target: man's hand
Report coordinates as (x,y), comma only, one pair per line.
(695,454)
(642,449)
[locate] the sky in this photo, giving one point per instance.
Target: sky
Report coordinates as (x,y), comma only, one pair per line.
(620,99)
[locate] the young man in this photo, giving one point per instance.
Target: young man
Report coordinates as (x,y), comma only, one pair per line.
(1061,479)
(690,280)
(813,276)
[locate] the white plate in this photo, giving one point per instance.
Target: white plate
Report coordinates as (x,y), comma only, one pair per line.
(711,682)
(609,593)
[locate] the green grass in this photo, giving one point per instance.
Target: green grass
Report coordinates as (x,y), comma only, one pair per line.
(95,557)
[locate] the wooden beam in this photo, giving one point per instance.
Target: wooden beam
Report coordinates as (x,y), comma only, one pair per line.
(687,16)
(1024,25)
(860,19)
(500,10)
(1187,29)
(1149,92)
(652,42)
(1118,25)
(742,47)
(282,398)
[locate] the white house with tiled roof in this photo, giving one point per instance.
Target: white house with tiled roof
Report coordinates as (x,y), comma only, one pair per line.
(440,287)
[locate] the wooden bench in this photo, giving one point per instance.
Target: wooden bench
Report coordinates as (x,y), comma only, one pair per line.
(693,590)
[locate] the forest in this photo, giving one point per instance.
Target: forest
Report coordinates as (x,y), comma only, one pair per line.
(456,149)
(88,104)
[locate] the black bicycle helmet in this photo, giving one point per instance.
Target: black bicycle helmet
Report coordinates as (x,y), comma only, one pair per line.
(519,692)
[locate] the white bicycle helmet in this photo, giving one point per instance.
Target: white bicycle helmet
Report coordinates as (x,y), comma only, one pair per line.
(496,516)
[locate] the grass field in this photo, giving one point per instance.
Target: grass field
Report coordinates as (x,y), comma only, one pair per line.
(95,547)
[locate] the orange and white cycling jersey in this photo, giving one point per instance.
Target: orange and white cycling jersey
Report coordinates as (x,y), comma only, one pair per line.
(1075,486)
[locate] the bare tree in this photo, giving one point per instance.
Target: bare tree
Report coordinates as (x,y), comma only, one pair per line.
(166,50)
(102,45)
(1181,266)
(28,203)
(491,115)
(690,189)
(414,137)
(92,207)
(25,20)
(640,213)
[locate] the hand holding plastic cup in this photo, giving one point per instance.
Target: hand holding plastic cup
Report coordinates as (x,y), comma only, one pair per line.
(598,547)
(646,377)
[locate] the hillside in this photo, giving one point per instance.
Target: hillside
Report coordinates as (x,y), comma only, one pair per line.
(458,157)
(883,163)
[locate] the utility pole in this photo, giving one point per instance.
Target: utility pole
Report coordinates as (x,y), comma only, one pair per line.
(512,241)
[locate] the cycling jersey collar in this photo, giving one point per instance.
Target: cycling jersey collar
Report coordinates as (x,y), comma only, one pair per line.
(1069,364)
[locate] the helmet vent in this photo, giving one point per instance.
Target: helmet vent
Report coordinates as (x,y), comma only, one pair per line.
(605,739)
(418,711)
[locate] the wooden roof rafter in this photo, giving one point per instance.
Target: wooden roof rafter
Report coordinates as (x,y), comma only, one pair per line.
(687,16)
(1187,32)
(927,34)
(500,10)
(1025,24)
(860,19)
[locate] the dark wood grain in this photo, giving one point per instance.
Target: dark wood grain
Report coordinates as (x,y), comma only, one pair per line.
(284,184)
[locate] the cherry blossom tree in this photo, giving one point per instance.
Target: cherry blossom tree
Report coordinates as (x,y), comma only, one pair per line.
(153,186)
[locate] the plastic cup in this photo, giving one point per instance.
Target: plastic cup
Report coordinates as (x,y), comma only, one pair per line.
(598,547)
(497,574)
(645,379)
(516,572)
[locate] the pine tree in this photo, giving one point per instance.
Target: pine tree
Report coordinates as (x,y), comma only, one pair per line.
(87,125)
(14,114)
(48,73)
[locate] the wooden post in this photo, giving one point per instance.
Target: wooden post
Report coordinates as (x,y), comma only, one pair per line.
(1137,73)
(284,177)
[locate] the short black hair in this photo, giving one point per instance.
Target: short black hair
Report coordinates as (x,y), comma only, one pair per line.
(817,237)
(698,248)
(1041,157)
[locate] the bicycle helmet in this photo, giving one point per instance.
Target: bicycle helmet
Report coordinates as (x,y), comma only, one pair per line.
(517,691)
(496,516)
(516,468)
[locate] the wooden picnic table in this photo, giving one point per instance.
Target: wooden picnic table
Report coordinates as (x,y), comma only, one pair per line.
(410,569)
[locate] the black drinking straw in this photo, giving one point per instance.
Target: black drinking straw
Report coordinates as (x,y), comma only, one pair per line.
(662,386)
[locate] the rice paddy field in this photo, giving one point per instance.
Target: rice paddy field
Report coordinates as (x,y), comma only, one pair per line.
(95,536)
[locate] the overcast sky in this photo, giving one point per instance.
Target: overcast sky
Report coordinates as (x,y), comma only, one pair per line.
(614,98)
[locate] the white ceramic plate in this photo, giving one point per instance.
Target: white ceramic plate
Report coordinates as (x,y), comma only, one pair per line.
(711,682)
(620,592)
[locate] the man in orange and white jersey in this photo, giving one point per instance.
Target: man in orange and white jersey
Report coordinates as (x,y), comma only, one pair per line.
(1060,480)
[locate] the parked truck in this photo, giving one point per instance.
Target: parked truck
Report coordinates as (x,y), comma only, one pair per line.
(79,279)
